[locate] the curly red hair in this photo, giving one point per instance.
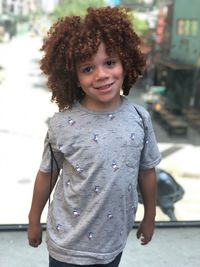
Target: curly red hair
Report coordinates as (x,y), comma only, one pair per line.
(73,39)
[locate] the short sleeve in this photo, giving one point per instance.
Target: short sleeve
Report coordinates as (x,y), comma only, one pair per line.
(45,165)
(150,156)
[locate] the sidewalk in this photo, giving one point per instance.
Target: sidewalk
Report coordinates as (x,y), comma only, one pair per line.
(180,157)
(182,163)
(184,159)
(22,132)
(23,127)
(170,247)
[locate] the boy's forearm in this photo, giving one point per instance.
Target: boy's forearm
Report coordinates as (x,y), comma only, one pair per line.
(148,188)
(40,196)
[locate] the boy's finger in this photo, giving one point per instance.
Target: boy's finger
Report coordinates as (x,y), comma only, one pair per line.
(34,243)
(138,234)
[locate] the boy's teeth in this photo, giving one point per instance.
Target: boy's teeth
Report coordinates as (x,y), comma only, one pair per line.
(104,87)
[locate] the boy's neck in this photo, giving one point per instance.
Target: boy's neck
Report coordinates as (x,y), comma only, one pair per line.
(100,107)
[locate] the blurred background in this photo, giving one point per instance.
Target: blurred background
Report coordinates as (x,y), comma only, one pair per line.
(169,89)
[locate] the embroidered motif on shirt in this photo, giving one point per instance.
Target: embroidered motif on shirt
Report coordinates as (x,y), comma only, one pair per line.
(78,168)
(133,208)
(90,235)
(76,213)
(58,227)
(60,147)
(97,189)
(114,166)
(130,187)
(132,136)
(111,116)
(68,183)
(95,138)
(121,231)
(70,121)
(109,216)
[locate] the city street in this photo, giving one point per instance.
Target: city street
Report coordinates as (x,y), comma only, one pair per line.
(170,247)
(24,108)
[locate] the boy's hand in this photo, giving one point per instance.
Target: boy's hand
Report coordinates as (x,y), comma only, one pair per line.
(34,234)
(145,231)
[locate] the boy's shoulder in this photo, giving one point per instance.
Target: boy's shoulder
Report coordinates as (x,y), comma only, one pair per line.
(138,109)
(58,118)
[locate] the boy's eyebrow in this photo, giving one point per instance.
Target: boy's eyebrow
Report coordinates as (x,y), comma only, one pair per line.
(89,62)
(81,64)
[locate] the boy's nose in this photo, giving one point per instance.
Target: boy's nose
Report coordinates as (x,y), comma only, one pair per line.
(100,73)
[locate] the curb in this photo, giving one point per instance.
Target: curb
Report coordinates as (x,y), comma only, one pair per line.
(183,174)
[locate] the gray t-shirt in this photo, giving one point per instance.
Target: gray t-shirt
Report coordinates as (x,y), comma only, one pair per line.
(95,199)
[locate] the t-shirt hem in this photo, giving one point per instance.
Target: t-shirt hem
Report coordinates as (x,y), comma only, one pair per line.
(46,170)
(81,257)
(150,165)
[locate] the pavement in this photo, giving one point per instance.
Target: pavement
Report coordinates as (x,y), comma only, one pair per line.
(180,157)
(176,162)
(24,108)
(170,247)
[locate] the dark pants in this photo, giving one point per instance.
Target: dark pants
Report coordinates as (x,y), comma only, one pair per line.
(55,263)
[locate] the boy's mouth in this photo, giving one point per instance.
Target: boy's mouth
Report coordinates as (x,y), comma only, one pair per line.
(104,87)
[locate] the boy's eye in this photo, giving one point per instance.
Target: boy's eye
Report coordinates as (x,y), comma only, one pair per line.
(87,69)
(110,62)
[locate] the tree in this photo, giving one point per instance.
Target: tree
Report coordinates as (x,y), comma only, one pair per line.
(71,7)
(78,7)
(140,25)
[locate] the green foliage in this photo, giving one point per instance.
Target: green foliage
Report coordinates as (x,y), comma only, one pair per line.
(129,2)
(140,26)
(78,7)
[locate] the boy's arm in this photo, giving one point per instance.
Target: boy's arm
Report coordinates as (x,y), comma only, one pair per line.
(148,188)
(40,197)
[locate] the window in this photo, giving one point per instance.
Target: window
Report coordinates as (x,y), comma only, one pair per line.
(180,27)
(194,27)
(187,27)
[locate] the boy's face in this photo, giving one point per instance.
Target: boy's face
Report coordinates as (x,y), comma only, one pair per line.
(101,79)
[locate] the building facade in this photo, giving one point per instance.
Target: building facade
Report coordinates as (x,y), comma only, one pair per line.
(19,7)
(178,63)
